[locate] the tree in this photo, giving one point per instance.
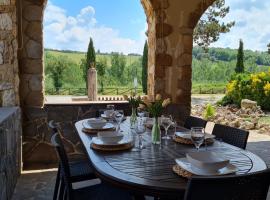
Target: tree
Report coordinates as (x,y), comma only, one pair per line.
(118,66)
(268,46)
(89,59)
(240,68)
(210,26)
(55,68)
(145,67)
(101,70)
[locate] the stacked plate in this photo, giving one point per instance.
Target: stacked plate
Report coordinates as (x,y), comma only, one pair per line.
(95,125)
(111,141)
(206,164)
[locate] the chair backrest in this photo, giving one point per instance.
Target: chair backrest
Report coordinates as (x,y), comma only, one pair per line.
(230,135)
(64,163)
(242,187)
(52,126)
(194,122)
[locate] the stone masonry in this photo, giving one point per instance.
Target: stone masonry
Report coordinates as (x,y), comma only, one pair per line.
(9,80)
(10,150)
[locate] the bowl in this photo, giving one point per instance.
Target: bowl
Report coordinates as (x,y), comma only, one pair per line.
(206,160)
(97,123)
(110,137)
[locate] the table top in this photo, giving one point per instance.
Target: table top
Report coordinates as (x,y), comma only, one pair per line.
(150,171)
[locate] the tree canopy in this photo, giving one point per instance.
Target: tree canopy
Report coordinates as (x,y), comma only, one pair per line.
(210,26)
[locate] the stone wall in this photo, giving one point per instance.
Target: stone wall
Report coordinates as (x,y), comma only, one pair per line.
(9,81)
(36,141)
(10,150)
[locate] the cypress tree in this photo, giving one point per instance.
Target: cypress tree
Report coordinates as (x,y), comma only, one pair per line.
(90,59)
(145,67)
(240,68)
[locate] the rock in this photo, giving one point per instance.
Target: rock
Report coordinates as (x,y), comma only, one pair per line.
(246,103)
(34,49)
(5,22)
(247,125)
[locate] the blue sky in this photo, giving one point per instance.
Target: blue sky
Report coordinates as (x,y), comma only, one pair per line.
(120,25)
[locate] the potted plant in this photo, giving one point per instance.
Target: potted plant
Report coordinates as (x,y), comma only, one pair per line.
(155,108)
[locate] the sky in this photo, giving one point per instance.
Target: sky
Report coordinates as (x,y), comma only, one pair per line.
(120,25)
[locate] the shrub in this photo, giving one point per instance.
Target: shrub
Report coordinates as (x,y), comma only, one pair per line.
(209,112)
(255,87)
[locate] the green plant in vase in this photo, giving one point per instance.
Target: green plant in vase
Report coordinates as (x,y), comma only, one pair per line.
(155,108)
(134,101)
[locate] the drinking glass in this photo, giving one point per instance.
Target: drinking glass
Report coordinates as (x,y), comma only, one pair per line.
(118,116)
(140,129)
(197,136)
(140,112)
(166,122)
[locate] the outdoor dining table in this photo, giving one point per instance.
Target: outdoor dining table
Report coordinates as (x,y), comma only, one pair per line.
(149,171)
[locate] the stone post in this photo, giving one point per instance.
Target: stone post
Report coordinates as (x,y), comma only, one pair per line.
(92,84)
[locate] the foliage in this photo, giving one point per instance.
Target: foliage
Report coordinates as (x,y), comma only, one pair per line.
(55,68)
(90,59)
(133,100)
(101,67)
(156,107)
(118,66)
(210,26)
(145,67)
(209,112)
(268,46)
(240,68)
(255,87)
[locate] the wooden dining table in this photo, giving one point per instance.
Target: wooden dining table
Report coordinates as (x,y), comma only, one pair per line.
(149,171)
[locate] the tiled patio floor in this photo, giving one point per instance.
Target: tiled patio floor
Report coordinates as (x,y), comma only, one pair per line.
(39,185)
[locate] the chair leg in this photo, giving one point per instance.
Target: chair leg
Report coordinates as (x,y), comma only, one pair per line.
(61,190)
(56,187)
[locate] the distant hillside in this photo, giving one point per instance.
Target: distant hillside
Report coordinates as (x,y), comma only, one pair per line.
(77,56)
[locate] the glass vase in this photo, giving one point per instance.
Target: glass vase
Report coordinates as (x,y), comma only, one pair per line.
(133,118)
(156,134)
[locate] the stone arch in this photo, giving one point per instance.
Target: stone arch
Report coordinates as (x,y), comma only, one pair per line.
(170,39)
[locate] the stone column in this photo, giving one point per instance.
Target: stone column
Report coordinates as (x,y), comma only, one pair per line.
(92,84)
(170,35)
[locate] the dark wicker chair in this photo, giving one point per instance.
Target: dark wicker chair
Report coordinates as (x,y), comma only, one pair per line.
(234,136)
(194,122)
(66,192)
(242,187)
(80,170)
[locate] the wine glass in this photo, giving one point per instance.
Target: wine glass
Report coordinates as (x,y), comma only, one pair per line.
(140,129)
(118,116)
(197,136)
(166,122)
(140,112)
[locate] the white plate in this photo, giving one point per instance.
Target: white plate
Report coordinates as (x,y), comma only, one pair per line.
(187,135)
(106,127)
(126,140)
(185,164)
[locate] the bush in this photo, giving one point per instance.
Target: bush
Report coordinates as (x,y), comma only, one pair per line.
(255,87)
(209,112)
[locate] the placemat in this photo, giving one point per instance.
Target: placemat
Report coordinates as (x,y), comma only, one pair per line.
(95,131)
(112,148)
(182,172)
(189,142)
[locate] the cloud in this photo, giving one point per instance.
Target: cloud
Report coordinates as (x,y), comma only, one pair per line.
(252,25)
(73,32)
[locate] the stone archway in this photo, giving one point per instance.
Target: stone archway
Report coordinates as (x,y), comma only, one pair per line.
(170,36)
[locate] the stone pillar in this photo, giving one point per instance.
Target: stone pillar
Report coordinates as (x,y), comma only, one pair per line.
(170,35)
(92,84)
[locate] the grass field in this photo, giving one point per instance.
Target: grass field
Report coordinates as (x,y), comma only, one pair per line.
(77,56)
